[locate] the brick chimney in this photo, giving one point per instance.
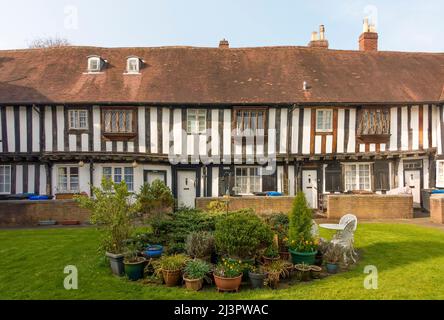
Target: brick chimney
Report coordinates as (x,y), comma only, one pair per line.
(368,41)
(224,44)
(319,40)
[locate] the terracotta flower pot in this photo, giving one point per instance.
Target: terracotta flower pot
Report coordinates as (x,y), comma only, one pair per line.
(285,255)
(268,260)
(171,277)
(193,284)
(228,284)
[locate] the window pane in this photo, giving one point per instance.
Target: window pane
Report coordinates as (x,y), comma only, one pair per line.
(83,119)
(107,173)
(129,178)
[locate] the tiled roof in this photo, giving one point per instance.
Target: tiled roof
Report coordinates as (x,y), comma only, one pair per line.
(189,75)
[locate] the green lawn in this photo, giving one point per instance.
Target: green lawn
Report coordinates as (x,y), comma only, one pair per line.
(409,259)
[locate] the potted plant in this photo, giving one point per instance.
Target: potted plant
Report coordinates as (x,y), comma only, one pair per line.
(332,257)
(170,268)
(228,275)
(194,273)
(270,254)
(153,251)
(112,211)
(241,235)
(257,277)
(275,271)
(304,272)
(134,264)
(200,245)
(303,248)
(279,223)
(316,271)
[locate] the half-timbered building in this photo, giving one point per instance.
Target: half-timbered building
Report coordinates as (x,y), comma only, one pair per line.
(212,121)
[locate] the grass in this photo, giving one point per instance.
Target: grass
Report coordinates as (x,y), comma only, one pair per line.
(409,260)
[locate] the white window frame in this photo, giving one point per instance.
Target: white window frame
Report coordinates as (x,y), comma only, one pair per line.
(440,173)
(128,64)
(193,115)
(69,177)
(357,177)
(122,174)
(99,64)
(4,179)
(248,191)
(323,127)
(74,119)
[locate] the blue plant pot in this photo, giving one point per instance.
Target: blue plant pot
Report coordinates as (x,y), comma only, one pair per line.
(153,251)
(332,268)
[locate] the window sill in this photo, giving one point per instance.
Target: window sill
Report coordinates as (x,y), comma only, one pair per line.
(373,138)
(119,136)
(324,132)
(77,131)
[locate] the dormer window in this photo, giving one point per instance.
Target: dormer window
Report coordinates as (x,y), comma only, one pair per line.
(95,64)
(133,65)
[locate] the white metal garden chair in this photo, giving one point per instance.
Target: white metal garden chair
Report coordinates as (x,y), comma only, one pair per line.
(347,218)
(345,239)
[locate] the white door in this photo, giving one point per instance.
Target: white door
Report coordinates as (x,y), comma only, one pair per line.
(186,188)
(413,181)
(309,186)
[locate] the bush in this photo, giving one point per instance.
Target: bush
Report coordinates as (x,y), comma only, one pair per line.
(300,224)
(170,263)
(173,229)
(154,198)
(279,224)
(196,269)
(217,207)
(242,234)
(200,244)
(113,211)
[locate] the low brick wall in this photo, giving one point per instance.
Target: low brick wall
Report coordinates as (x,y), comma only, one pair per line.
(29,213)
(261,205)
(437,209)
(370,206)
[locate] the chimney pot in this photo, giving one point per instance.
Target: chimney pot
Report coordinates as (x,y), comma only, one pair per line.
(368,41)
(319,40)
(224,44)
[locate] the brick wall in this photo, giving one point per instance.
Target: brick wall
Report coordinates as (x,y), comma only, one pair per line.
(29,213)
(261,205)
(437,209)
(370,206)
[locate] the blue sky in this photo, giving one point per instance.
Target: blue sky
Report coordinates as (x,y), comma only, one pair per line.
(403,25)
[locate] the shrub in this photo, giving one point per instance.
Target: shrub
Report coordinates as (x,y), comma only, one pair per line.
(279,223)
(170,263)
(217,207)
(154,198)
(271,252)
(300,224)
(173,229)
(113,211)
(196,269)
(200,244)
(242,234)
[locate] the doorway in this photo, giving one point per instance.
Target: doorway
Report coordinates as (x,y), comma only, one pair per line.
(413,181)
(186,188)
(310,187)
